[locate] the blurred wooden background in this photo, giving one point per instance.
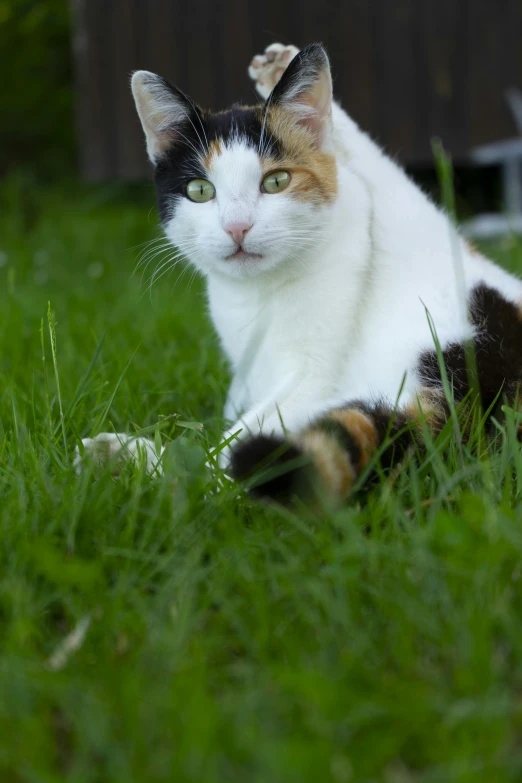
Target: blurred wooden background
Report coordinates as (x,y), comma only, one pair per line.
(406,70)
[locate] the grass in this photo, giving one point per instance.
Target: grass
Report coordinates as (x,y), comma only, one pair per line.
(154,630)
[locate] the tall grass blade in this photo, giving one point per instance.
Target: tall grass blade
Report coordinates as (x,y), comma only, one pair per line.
(52,333)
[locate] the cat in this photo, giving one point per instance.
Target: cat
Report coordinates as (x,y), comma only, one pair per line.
(328,273)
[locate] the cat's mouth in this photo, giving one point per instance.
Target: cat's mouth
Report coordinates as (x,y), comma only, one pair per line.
(243,255)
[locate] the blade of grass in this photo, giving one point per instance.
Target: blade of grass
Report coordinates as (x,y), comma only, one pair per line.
(46,380)
(52,333)
(107,408)
(444,169)
(81,386)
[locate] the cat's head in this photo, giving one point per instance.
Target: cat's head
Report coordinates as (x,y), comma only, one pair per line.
(243,191)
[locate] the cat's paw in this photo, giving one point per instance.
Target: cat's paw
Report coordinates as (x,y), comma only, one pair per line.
(118,449)
(266,69)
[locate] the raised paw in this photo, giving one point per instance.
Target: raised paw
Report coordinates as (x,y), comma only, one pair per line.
(119,449)
(266,69)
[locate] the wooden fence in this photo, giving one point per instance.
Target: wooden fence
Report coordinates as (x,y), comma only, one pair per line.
(407,70)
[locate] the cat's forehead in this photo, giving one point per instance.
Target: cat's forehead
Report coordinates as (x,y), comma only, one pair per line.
(234,162)
(244,121)
(237,131)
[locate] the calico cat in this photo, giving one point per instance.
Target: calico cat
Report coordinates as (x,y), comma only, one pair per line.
(328,272)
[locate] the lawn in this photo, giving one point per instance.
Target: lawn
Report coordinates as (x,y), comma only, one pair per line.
(158,630)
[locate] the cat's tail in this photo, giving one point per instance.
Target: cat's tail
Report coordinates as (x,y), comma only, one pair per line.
(332,454)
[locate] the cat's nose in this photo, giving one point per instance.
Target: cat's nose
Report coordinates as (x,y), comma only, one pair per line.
(237,231)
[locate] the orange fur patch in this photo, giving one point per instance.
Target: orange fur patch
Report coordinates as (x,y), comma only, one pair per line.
(428,406)
(314,173)
(214,149)
(361,428)
(332,463)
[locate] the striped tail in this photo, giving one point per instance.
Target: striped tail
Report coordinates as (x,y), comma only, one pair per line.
(332,453)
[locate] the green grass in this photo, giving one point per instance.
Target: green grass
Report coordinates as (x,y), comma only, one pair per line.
(217,640)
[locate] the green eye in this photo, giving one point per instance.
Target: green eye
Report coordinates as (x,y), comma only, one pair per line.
(200,190)
(276,182)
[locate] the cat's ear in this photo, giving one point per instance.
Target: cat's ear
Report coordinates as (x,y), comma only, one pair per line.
(305,89)
(162,110)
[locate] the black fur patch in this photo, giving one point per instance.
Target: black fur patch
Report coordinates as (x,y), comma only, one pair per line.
(498,351)
(274,455)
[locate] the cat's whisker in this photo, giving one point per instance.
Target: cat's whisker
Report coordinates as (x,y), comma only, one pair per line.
(145,262)
(171,265)
(147,242)
(156,274)
(202,128)
(191,281)
(289,251)
(151,250)
(182,275)
(169,246)
(197,134)
(144,272)
(268,145)
(151,244)
(189,144)
(179,252)
(171,251)
(196,112)
(263,125)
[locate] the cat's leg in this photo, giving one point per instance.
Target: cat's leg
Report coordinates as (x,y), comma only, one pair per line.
(266,69)
(237,398)
(118,448)
(287,408)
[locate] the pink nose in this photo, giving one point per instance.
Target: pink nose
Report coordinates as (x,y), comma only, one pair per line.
(237,231)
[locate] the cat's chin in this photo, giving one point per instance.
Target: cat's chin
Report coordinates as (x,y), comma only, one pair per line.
(245,265)
(244,256)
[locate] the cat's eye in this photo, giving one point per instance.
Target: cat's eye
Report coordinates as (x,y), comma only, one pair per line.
(275,182)
(200,190)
